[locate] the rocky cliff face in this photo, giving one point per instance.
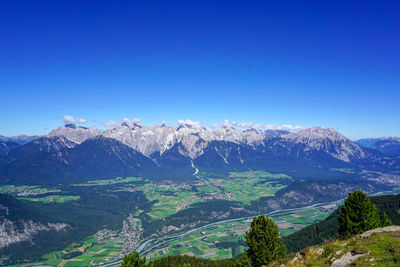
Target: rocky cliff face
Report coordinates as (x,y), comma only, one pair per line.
(24,230)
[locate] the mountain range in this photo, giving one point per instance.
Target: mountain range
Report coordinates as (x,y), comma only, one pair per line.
(385,144)
(163,152)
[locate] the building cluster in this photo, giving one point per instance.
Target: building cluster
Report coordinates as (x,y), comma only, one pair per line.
(23,190)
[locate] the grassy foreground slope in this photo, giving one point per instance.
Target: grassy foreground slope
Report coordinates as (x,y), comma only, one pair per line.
(377,247)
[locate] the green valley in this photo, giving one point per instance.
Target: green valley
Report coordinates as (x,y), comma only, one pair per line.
(205,218)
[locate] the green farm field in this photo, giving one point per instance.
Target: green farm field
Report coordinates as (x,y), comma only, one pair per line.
(118,180)
(52,199)
(171,198)
(226,240)
(258,174)
(89,253)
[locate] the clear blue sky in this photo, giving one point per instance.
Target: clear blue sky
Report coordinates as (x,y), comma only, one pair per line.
(310,63)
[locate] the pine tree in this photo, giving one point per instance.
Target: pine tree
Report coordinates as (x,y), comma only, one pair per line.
(133,260)
(264,242)
(359,214)
(385,221)
(243,261)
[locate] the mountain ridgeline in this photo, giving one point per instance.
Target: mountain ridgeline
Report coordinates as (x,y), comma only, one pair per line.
(161,152)
(387,145)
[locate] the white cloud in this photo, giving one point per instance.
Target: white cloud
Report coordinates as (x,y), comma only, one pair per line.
(284,127)
(224,123)
(133,120)
(70,119)
(196,124)
(110,123)
(113,123)
(247,125)
(214,126)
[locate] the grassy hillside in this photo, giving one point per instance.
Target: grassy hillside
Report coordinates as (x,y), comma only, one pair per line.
(367,249)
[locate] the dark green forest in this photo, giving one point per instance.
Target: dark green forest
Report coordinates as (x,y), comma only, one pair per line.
(328,228)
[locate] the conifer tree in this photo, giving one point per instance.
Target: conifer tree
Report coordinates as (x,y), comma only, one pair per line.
(243,261)
(264,242)
(385,221)
(359,214)
(133,260)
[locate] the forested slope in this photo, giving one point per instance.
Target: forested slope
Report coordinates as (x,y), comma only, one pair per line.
(327,229)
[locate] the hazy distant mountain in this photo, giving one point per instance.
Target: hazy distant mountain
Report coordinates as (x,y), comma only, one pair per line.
(384,144)
(20,139)
(387,145)
(367,142)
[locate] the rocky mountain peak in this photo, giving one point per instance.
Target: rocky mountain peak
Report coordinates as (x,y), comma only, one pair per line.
(317,133)
(74,133)
(70,125)
(327,140)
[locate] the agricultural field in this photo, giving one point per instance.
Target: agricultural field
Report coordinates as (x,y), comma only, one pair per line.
(172,197)
(33,193)
(169,198)
(87,253)
(345,170)
(246,190)
(51,199)
(258,174)
(118,180)
(226,240)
